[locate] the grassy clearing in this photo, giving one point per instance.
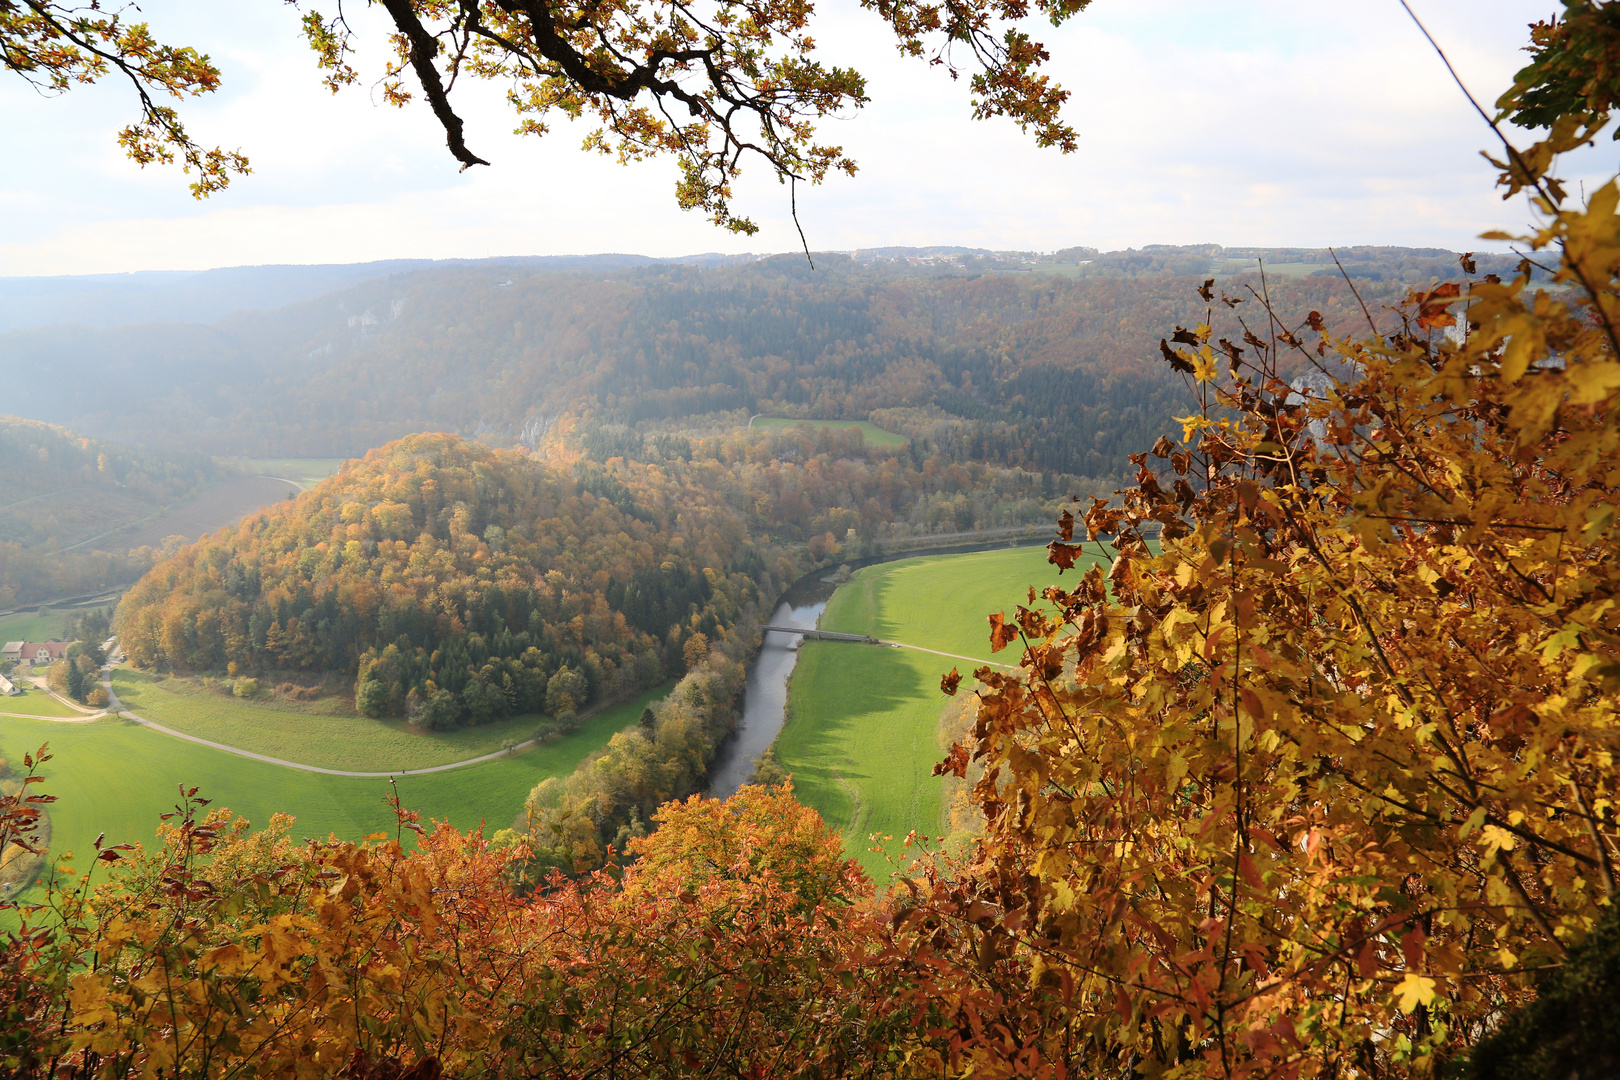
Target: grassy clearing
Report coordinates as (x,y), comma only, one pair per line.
(862,743)
(326,733)
(306,472)
(115,776)
(35,703)
(874,435)
(863,738)
(33,625)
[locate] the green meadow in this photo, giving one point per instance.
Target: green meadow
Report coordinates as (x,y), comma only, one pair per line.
(327,733)
(39,625)
(32,702)
(862,738)
(874,435)
(115,776)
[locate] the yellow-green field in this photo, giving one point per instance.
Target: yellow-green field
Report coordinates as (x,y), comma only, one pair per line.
(305,472)
(863,737)
(35,625)
(871,433)
(115,776)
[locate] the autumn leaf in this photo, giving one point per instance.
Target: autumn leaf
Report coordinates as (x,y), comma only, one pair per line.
(1414,990)
(1002,633)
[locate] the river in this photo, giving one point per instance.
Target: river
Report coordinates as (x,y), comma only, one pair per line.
(765,700)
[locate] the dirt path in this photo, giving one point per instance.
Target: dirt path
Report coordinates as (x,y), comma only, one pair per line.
(87,719)
(951,655)
(114,705)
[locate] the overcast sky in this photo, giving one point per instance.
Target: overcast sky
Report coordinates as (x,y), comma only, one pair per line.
(1260,122)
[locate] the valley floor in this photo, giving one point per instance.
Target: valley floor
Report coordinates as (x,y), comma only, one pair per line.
(864,731)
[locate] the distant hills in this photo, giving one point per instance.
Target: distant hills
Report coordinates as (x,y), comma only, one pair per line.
(205,296)
(1045,361)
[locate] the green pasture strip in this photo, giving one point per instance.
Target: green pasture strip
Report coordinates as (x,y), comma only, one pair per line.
(306,472)
(35,703)
(862,743)
(943,601)
(29,626)
(342,741)
(863,738)
(115,776)
(874,435)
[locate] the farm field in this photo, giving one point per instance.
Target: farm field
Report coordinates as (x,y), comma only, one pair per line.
(327,733)
(115,776)
(874,435)
(863,736)
(221,505)
(305,472)
(72,515)
(33,702)
(33,625)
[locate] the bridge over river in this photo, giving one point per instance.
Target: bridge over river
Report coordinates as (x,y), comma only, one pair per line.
(826,635)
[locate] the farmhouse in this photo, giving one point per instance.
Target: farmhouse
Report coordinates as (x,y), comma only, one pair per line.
(8,688)
(12,651)
(36,652)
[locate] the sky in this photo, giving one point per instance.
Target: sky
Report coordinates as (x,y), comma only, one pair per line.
(1257,123)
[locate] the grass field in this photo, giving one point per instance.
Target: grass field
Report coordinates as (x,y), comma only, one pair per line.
(306,472)
(115,776)
(330,735)
(35,703)
(32,626)
(874,435)
(863,737)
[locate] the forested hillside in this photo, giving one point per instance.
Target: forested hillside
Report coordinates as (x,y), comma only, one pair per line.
(1053,366)
(62,490)
(459,583)
(48,465)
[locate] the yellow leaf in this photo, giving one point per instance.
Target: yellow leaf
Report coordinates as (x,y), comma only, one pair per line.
(1494,837)
(1415,990)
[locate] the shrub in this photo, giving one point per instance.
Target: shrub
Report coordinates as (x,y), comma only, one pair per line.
(245,688)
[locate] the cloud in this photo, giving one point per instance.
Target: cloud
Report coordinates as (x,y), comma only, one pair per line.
(1269,123)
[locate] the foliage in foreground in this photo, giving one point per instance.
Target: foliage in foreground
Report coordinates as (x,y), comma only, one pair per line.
(1324,786)
(738,944)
